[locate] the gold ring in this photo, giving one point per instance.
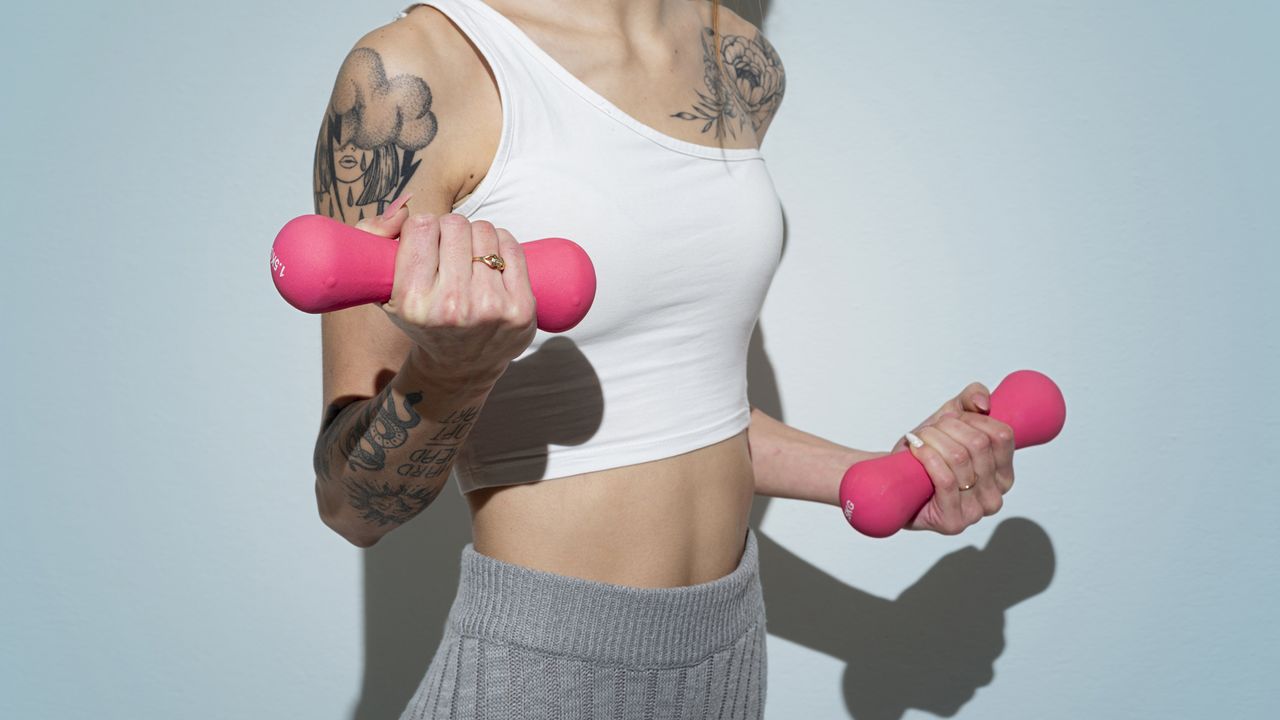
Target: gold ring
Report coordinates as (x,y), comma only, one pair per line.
(492,260)
(966,487)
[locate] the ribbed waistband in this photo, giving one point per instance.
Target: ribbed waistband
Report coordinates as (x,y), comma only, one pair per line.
(603,622)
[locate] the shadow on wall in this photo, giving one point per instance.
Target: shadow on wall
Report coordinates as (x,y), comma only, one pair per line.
(930,648)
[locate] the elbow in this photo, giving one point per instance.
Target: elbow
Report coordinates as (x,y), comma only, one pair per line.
(332,520)
(358,539)
(362,541)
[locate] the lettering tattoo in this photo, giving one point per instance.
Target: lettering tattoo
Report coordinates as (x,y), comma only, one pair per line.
(436,456)
(373,126)
(383,504)
(749,90)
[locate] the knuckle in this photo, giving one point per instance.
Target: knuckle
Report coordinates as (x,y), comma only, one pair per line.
(959,457)
(489,307)
(483,226)
(980,442)
(1004,434)
(450,308)
(419,222)
(414,309)
(518,313)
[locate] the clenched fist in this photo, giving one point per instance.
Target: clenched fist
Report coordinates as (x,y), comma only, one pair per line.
(468,320)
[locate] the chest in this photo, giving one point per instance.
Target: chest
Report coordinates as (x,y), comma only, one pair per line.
(680,84)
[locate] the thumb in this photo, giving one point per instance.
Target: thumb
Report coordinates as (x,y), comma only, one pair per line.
(389,222)
(974,398)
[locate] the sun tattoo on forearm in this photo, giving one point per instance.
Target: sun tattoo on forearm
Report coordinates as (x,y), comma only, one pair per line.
(748,92)
(373,126)
(381,503)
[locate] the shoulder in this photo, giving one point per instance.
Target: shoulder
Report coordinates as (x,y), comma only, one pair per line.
(733,23)
(402,97)
(421,55)
(422,43)
(754,66)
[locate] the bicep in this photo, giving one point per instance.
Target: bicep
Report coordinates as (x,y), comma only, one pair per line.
(368,154)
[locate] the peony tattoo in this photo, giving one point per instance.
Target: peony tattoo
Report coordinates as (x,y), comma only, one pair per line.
(749,91)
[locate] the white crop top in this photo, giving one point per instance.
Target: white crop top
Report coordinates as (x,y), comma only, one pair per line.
(685,239)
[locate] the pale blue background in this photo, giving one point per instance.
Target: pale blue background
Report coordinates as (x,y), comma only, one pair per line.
(1085,188)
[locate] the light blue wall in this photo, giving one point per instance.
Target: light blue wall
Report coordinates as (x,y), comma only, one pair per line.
(1084,188)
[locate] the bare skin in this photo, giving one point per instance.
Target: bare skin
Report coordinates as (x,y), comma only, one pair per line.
(675,521)
(672,522)
(416,115)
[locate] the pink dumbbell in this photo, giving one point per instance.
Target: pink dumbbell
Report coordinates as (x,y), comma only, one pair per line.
(320,265)
(881,495)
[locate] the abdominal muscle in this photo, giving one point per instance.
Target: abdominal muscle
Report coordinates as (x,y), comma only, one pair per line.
(673,522)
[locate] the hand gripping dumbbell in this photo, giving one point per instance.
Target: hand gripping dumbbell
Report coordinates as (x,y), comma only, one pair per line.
(320,265)
(879,496)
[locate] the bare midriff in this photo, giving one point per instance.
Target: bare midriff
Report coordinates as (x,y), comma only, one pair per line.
(672,522)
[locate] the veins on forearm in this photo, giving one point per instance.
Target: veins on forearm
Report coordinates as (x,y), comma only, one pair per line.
(747,92)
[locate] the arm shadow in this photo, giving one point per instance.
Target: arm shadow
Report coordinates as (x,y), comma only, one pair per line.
(929,648)
(932,646)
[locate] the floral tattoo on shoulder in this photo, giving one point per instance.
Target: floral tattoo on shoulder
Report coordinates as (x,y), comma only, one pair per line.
(749,90)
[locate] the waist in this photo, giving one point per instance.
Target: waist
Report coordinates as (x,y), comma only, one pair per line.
(666,523)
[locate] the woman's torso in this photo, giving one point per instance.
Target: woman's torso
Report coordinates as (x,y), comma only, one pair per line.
(675,521)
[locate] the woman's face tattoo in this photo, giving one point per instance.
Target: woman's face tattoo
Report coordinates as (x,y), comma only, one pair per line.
(373,126)
(349,161)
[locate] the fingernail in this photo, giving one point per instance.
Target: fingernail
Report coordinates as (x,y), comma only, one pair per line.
(915,441)
(395,205)
(982,404)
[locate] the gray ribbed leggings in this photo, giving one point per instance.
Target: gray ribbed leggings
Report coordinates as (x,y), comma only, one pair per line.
(525,643)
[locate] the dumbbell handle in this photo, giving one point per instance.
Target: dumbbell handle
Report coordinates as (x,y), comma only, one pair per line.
(879,496)
(321,265)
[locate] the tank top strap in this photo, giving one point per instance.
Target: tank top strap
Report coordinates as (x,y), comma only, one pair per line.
(480,30)
(521,89)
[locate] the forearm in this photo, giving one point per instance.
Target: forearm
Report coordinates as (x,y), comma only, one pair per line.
(380,461)
(791,463)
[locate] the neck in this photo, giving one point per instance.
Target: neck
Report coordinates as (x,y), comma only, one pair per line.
(629,18)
